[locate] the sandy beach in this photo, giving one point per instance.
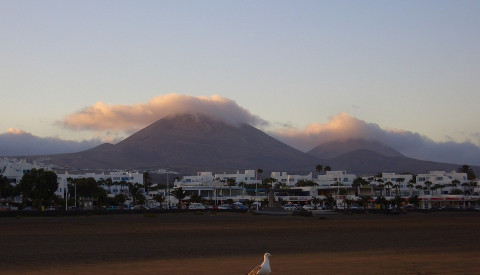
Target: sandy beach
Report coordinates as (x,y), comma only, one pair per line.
(233,243)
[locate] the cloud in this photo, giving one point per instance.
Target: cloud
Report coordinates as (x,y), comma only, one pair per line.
(17,142)
(339,127)
(15,131)
(344,127)
(130,118)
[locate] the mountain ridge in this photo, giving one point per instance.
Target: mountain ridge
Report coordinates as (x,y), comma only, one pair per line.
(190,143)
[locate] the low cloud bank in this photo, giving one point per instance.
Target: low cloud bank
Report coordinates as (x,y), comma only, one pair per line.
(20,143)
(414,145)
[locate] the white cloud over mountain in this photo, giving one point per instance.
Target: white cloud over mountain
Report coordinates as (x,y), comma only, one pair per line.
(344,127)
(131,118)
(126,119)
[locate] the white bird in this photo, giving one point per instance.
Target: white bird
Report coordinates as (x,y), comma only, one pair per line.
(264,268)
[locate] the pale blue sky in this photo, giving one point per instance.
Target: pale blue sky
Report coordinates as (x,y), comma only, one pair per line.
(410,65)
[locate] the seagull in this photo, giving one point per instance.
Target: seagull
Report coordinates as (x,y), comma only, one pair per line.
(264,268)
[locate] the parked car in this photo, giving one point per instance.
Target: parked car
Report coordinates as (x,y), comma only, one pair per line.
(197,206)
(240,207)
(137,207)
(113,207)
(225,207)
(212,207)
(308,207)
(50,208)
(289,207)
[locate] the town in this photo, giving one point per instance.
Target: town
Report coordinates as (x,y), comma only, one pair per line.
(328,190)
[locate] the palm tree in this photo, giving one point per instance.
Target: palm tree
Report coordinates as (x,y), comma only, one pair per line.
(327,168)
(179,194)
(315,202)
(365,200)
(388,185)
(435,187)
(319,168)
(410,186)
(195,197)
(428,185)
(381,185)
(418,187)
(330,200)
(399,182)
(465,184)
(441,186)
(259,173)
(160,198)
(357,183)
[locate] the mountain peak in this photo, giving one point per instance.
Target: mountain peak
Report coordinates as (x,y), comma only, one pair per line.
(196,142)
(334,149)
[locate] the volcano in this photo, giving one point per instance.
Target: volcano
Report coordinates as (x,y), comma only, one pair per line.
(192,143)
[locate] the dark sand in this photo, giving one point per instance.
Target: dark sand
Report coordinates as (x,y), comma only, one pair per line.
(232,243)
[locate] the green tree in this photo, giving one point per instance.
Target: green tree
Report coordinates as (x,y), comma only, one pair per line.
(39,186)
(120,199)
(468,170)
(231,182)
(195,197)
(6,189)
(304,183)
(87,188)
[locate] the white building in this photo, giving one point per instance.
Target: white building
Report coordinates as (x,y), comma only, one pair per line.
(200,179)
(332,177)
(248,177)
(446,181)
(115,177)
(290,180)
(397,182)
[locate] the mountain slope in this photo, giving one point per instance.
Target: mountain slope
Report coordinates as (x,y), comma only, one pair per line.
(334,149)
(367,162)
(193,143)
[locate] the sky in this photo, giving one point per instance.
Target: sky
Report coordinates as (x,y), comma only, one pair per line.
(74,74)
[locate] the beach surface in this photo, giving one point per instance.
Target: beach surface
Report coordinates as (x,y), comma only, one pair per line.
(234,243)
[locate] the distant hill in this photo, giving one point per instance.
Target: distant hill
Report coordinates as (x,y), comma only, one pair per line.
(367,162)
(362,157)
(334,149)
(192,143)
